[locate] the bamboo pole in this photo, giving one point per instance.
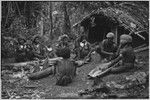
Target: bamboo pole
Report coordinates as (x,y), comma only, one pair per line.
(140,36)
(141,49)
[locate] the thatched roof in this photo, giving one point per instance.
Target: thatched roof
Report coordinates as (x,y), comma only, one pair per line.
(132,17)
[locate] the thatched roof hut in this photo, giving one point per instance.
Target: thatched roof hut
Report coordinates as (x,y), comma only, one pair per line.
(128,18)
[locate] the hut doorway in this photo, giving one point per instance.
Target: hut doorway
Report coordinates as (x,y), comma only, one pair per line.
(97,32)
(103,25)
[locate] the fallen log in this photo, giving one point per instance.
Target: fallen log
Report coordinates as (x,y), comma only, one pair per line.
(41,74)
(21,64)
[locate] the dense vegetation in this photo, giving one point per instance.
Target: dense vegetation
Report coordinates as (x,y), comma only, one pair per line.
(49,19)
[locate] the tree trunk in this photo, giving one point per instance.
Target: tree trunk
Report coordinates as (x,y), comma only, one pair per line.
(67,27)
(8,4)
(51,21)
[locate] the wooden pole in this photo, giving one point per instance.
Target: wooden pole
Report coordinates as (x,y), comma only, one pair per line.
(115,31)
(141,49)
(116,34)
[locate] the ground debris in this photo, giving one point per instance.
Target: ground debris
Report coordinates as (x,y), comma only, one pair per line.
(68,95)
(124,85)
(113,84)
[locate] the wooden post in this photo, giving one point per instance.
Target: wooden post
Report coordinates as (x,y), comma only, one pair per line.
(115,31)
(116,34)
(51,21)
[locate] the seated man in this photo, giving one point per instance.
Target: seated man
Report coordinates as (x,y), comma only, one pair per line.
(39,50)
(65,69)
(107,47)
(63,41)
(126,54)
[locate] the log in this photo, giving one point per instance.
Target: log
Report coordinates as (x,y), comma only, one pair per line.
(41,74)
(21,64)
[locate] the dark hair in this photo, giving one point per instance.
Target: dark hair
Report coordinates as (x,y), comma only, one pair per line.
(19,39)
(63,52)
(128,44)
(37,37)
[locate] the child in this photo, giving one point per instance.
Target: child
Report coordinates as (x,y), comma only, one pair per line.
(20,50)
(84,49)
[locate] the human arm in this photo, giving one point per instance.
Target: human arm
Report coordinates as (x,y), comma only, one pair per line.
(102,49)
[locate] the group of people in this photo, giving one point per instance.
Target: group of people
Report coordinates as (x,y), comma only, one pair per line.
(27,51)
(107,49)
(65,70)
(124,53)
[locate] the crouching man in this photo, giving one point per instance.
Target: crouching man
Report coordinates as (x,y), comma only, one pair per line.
(107,47)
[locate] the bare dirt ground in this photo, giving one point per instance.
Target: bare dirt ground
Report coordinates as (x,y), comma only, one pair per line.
(46,88)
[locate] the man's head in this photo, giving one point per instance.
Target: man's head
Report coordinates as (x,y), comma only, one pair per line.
(110,36)
(21,40)
(84,41)
(36,39)
(124,39)
(63,38)
(63,52)
(82,29)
